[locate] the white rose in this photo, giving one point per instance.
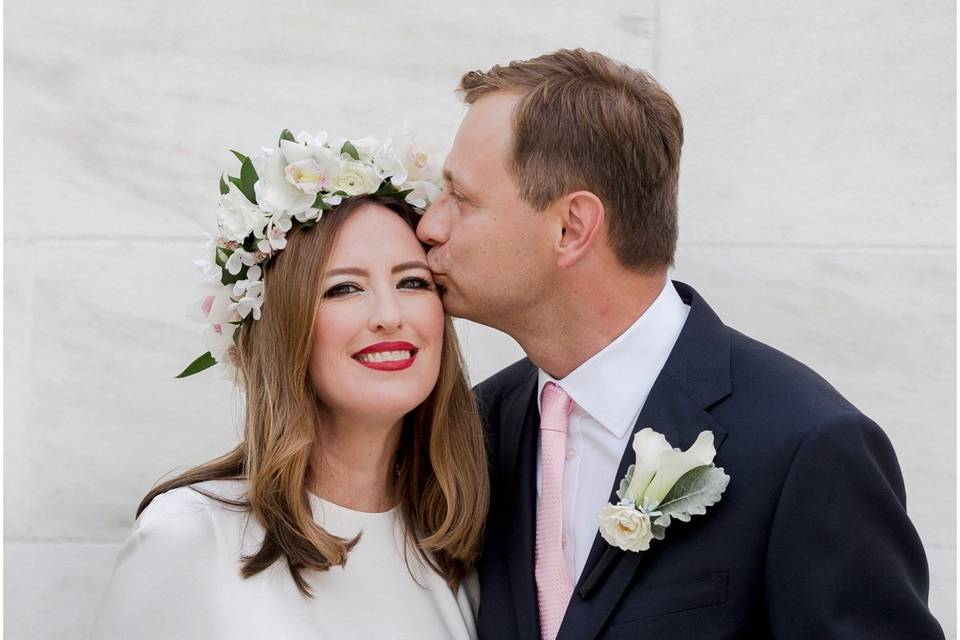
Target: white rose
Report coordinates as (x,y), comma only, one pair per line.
(238,217)
(355,178)
(625,527)
(674,463)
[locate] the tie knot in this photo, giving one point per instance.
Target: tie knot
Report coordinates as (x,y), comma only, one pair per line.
(555,406)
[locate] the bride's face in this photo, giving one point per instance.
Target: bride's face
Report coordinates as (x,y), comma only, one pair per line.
(379,327)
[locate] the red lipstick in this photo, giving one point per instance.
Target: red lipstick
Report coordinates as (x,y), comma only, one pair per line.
(387,356)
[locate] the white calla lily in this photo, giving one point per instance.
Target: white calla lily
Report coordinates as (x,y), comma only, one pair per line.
(648,447)
(673,464)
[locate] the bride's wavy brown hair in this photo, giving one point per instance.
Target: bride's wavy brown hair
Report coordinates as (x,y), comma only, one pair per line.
(441,484)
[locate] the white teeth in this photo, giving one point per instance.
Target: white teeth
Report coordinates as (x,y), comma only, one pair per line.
(384,356)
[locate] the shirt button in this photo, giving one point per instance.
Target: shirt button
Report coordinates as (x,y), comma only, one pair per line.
(571,454)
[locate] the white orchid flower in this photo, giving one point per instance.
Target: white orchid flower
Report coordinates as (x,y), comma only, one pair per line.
(239,258)
(213,306)
(218,338)
(423,194)
(275,194)
(247,305)
(275,238)
(674,463)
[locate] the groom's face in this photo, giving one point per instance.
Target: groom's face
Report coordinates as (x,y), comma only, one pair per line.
(489,251)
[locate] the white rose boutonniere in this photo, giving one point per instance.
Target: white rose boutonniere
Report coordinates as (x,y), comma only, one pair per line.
(664,483)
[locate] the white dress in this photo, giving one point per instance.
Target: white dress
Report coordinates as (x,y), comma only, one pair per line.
(178,576)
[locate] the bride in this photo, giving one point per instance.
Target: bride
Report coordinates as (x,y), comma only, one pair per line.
(354,504)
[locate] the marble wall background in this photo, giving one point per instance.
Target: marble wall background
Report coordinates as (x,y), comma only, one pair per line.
(818,215)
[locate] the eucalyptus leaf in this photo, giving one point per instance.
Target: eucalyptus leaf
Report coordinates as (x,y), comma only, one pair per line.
(286,135)
(696,490)
(203,362)
(248,177)
(350,150)
(224,189)
(240,156)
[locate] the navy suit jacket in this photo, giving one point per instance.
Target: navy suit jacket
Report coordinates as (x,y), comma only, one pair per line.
(810,540)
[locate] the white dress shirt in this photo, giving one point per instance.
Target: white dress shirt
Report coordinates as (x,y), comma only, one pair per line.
(608,391)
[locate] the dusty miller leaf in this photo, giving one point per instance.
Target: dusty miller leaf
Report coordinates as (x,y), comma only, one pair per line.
(625,482)
(696,490)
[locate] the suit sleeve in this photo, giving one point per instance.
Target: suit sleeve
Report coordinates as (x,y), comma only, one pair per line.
(844,561)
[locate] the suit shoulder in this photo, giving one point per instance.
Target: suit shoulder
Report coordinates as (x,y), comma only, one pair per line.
(779,393)
(765,368)
(494,387)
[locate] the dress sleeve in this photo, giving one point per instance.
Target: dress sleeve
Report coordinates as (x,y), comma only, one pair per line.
(844,561)
(163,582)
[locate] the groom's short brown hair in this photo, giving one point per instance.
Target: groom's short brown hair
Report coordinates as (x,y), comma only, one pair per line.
(584,121)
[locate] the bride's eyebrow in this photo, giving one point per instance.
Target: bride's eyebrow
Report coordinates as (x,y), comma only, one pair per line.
(409,266)
(363,273)
(347,271)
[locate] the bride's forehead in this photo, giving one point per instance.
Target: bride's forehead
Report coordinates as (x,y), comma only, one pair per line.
(375,236)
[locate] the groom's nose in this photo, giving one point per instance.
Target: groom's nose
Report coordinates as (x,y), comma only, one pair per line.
(434,226)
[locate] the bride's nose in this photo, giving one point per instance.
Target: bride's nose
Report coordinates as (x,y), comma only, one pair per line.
(385,313)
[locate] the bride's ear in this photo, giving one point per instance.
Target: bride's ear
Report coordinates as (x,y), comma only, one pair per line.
(582,219)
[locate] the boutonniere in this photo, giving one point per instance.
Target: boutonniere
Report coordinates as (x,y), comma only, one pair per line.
(664,483)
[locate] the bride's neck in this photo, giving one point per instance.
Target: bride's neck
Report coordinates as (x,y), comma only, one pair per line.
(352,462)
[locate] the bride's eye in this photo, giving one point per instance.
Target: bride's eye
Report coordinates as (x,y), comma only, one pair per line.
(339,290)
(414,283)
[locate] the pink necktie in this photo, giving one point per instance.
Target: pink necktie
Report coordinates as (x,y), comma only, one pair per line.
(553,584)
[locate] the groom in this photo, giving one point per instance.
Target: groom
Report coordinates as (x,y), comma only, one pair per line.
(557,226)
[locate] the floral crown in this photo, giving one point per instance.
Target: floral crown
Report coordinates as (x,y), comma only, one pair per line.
(294,183)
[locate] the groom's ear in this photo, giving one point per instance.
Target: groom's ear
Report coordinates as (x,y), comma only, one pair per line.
(582,218)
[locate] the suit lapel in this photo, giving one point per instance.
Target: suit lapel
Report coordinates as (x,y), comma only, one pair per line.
(518,461)
(695,376)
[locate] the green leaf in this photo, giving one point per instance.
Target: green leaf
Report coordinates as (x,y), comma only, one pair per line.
(350,150)
(248,177)
(286,135)
(320,204)
(221,256)
(227,278)
(240,156)
(203,362)
(697,489)
(224,189)
(234,180)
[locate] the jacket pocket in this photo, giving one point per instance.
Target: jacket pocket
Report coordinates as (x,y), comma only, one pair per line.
(672,597)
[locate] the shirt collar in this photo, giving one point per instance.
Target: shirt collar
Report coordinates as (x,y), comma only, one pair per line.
(614,383)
